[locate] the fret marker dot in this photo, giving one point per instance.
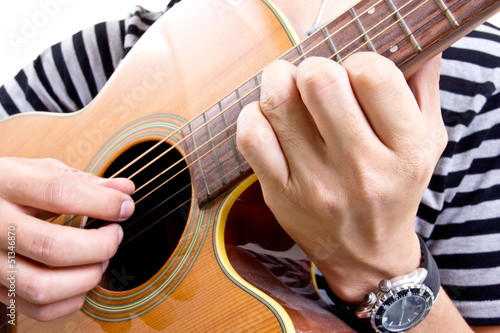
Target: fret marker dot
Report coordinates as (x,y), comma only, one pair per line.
(371,11)
(393,49)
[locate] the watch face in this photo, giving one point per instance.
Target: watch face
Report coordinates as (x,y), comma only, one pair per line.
(402,308)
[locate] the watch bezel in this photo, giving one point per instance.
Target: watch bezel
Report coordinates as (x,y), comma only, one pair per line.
(387,299)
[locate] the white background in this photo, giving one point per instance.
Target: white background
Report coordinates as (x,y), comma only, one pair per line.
(27,27)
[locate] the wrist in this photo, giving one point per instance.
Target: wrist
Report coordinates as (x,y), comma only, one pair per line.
(352,276)
(399,303)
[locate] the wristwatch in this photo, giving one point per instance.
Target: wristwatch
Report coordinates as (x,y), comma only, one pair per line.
(401,303)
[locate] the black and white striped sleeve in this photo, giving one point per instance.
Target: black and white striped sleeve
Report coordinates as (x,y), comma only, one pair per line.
(460,212)
(68,75)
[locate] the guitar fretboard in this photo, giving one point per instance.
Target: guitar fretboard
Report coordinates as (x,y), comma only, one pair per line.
(400,30)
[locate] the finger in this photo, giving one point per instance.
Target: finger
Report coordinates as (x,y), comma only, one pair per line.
(425,87)
(44,312)
(54,187)
(424,84)
(325,88)
(386,99)
(39,284)
(282,106)
(120,184)
(57,245)
(259,145)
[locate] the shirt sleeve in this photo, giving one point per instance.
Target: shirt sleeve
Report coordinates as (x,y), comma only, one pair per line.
(68,75)
(460,212)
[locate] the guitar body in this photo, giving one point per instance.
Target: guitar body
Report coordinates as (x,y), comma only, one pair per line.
(202,252)
(209,279)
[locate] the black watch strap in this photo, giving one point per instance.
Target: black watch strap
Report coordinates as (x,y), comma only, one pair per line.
(347,311)
(432,280)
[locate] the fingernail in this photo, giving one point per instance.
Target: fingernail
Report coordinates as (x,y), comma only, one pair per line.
(126,210)
(120,234)
(105,265)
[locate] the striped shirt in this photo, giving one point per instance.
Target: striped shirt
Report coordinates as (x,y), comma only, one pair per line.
(460,212)
(459,215)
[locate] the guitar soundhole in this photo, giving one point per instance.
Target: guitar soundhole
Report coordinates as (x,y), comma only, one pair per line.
(155,228)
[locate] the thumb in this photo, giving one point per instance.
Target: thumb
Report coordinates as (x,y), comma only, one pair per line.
(425,87)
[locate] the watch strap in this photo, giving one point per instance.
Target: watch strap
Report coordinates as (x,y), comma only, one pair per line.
(346,311)
(432,279)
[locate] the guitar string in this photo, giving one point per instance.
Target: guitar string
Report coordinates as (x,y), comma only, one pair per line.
(240,99)
(243,97)
(167,214)
(223,131)
(317,45)
(178,131)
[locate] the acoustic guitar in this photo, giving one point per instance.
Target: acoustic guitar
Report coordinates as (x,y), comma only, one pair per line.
(202,252)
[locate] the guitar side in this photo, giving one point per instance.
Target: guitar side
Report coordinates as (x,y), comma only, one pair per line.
(171,75)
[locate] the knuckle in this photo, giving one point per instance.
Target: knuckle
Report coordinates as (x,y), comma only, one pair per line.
(371,69)
(322,77)
(49,248)
(252,134)
(441,140)
(55,192)
(59,188)
(253,139)
(273,98)
(38,290)
(45,314)
(417,165)
(49,312)
(328,200)
(52,162)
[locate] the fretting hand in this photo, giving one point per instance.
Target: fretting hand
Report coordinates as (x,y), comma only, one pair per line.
(344,155)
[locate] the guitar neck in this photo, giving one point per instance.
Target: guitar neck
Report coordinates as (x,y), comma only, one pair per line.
(406,31)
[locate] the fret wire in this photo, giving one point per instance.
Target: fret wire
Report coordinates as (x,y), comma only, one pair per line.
(331,45)
(345,25)
(193,138)
(228,132)
(214,151)
(300,49)
(168,213)
(362,30)
(257,80)
(184,126)
(404,26)
(177,131)
(449,15)
(239,99)
(192,132)
(187,168)
(356,50)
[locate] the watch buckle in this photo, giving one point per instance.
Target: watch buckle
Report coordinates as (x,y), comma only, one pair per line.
(364,310)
